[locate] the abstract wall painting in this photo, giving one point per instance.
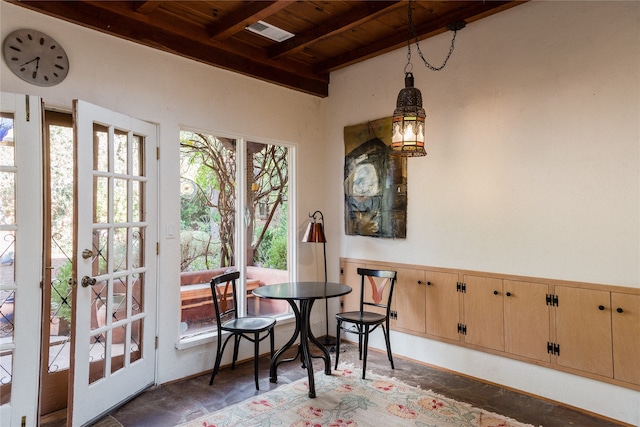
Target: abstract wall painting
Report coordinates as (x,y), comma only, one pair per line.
(375,182)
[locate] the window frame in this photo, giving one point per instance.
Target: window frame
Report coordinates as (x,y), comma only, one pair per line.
(241,232)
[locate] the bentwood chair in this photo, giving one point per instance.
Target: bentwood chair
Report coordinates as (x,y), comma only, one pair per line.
(377,299)
(225,303)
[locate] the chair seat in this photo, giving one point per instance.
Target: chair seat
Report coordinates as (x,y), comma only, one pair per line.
(249,324)
(364,317)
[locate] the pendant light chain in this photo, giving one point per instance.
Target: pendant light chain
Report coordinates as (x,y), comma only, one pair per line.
(408,122)
(412,33)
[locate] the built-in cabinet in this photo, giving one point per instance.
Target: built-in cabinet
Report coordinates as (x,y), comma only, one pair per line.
(586,329)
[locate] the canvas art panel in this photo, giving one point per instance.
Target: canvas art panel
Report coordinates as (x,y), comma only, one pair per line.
(375,182)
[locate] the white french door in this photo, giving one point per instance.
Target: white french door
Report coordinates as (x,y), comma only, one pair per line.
(20,263)
(115,261)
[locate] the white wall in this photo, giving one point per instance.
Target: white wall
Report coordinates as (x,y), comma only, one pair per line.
(533,165)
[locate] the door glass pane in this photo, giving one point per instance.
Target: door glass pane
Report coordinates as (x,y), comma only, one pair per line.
(7,146)
(8,212)
(136,156)
(101,196)
(8,229)
(136,200)
(137,306)
(7,299)
(120,152)
(100,251)
(120,205)
(100,147)
(97,358)
(136,244)
(120,246)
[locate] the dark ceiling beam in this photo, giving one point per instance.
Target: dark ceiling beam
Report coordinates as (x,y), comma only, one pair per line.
(471,11)
(146,7)
(109,21)
(366,13)
(250,13)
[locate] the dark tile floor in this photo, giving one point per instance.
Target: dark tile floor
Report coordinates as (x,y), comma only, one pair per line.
(172,404)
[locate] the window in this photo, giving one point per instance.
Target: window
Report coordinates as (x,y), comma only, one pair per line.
(225,227)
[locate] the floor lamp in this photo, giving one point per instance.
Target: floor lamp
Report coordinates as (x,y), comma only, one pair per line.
(315,234)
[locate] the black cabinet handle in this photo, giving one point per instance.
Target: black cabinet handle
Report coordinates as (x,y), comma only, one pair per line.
(428,283)
(508,294)
(601,307)
(495,292)
(419,282)
(619,310)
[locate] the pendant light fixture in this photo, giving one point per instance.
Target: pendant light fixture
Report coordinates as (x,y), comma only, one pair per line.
(408,131)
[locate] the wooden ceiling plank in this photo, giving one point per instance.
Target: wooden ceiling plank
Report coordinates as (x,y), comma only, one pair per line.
(251,13)
(132,29)
(369,11)
(470,13)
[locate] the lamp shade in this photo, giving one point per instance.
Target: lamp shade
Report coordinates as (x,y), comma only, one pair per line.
(408,121)
(314,233)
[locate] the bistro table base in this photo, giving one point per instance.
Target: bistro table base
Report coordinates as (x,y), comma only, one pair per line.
(303,329)
(306,293)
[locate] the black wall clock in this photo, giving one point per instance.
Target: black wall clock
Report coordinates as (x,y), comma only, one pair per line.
(35,57)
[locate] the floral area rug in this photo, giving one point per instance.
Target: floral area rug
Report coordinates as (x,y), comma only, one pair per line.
(344,399)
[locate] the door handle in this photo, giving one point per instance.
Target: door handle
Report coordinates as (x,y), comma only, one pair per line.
(87,253)
(88,281)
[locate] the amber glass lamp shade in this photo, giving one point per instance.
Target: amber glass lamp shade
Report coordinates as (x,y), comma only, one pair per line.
(407,138)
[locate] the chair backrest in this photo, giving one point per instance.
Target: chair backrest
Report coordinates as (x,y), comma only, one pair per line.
(376,288)
(224,295)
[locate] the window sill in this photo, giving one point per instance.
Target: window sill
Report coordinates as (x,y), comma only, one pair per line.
(209,337)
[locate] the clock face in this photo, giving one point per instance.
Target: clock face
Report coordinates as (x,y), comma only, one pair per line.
(35,57)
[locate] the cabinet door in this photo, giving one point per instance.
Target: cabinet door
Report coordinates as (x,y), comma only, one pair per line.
(484,312)
(526,319)
(583,330)
(442,304)
(349,276)
(625,319)
(409,300)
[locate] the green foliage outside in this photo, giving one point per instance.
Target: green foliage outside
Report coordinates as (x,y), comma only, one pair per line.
(272,252)
(207,203)
(61,293)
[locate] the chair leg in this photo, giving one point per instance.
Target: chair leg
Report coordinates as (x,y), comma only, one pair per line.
(273,342)
(236,344)
(366,346)
(359,341)
(388,342)
(216,365)
(338,343)
(256,355)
